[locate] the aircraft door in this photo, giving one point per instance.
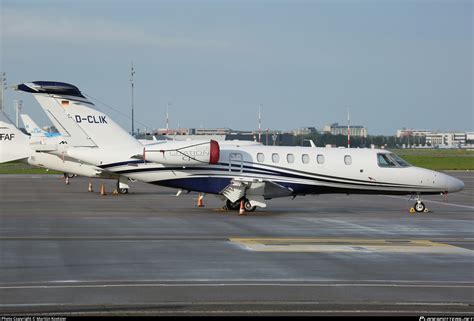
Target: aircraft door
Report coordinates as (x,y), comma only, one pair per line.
(236,162)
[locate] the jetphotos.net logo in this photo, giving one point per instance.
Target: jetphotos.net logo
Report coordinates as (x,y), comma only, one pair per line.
(422,318)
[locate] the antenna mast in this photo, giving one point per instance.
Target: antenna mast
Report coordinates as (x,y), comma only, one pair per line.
(18,104)
(132,72)
(348,129)
(260,123)
(3,86)
(167,117)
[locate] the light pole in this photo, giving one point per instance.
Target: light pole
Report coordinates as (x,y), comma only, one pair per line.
(17,109)
(132,73)
(167,117)
(3,87)
(260,123)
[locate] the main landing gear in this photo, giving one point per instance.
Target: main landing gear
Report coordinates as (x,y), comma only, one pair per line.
(67,176)
(235,206)
(122,187)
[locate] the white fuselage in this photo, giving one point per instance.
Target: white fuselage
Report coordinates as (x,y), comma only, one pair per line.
(294,167)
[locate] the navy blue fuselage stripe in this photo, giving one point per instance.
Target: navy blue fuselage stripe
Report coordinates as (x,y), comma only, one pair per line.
(262,171)
(365,184)
(216,185)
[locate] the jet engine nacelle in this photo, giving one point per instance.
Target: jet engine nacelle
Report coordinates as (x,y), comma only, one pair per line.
(183,153)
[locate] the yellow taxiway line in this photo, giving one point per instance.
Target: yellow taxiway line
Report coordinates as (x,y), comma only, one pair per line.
(347,245)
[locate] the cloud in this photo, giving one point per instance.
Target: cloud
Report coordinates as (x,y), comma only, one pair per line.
(20,26)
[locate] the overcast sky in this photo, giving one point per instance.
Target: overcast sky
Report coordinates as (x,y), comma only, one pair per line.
(393,63)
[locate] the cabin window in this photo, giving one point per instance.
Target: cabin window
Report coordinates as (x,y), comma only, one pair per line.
(348,160)
(275,158)
(290,158)
(385,161)
(260,157)
(305,158)
(320,159)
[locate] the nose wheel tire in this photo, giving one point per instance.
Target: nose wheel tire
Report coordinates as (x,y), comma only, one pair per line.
(123,190)
(419,207)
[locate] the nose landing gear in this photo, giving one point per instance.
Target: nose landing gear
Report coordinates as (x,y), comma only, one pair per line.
(419,206)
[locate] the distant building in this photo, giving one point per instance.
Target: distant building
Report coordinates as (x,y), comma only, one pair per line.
(470,137)
(212,131)
(336,129)
(412,132)
(177,131)
(303,131)
(437,139)
(446,139)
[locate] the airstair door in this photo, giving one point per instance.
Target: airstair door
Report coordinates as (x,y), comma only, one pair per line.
(236,162)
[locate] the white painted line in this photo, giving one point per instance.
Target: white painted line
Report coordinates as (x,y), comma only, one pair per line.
(430,201)
(103,286)
(256,281)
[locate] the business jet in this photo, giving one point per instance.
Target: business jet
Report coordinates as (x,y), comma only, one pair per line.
(48,152)
(241,173)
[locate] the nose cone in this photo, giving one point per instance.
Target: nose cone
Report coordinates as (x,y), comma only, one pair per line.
(454,184)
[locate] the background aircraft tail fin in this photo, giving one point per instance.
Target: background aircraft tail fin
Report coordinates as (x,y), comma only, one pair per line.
(14,144)
(31,127)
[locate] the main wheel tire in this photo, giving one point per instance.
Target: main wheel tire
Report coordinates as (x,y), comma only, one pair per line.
(69,175)
(419,207)
(248,207)
(233,206)
(123,190)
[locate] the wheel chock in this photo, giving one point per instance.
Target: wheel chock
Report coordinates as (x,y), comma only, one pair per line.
(426,210)
(412,210)
(115,192)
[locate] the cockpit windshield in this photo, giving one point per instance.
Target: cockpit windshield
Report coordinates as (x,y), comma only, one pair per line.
(391,160)
(400,161)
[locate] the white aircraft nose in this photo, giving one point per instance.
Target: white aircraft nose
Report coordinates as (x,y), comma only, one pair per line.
(454,184)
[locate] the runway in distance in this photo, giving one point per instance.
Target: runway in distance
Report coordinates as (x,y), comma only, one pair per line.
(237,171)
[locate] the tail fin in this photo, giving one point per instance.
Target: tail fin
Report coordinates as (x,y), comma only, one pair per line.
(14,144)
(77,119)
(31,127)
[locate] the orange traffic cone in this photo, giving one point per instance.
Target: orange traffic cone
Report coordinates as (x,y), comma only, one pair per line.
(200,198)
(89,188)
(102,189)
(242,209)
